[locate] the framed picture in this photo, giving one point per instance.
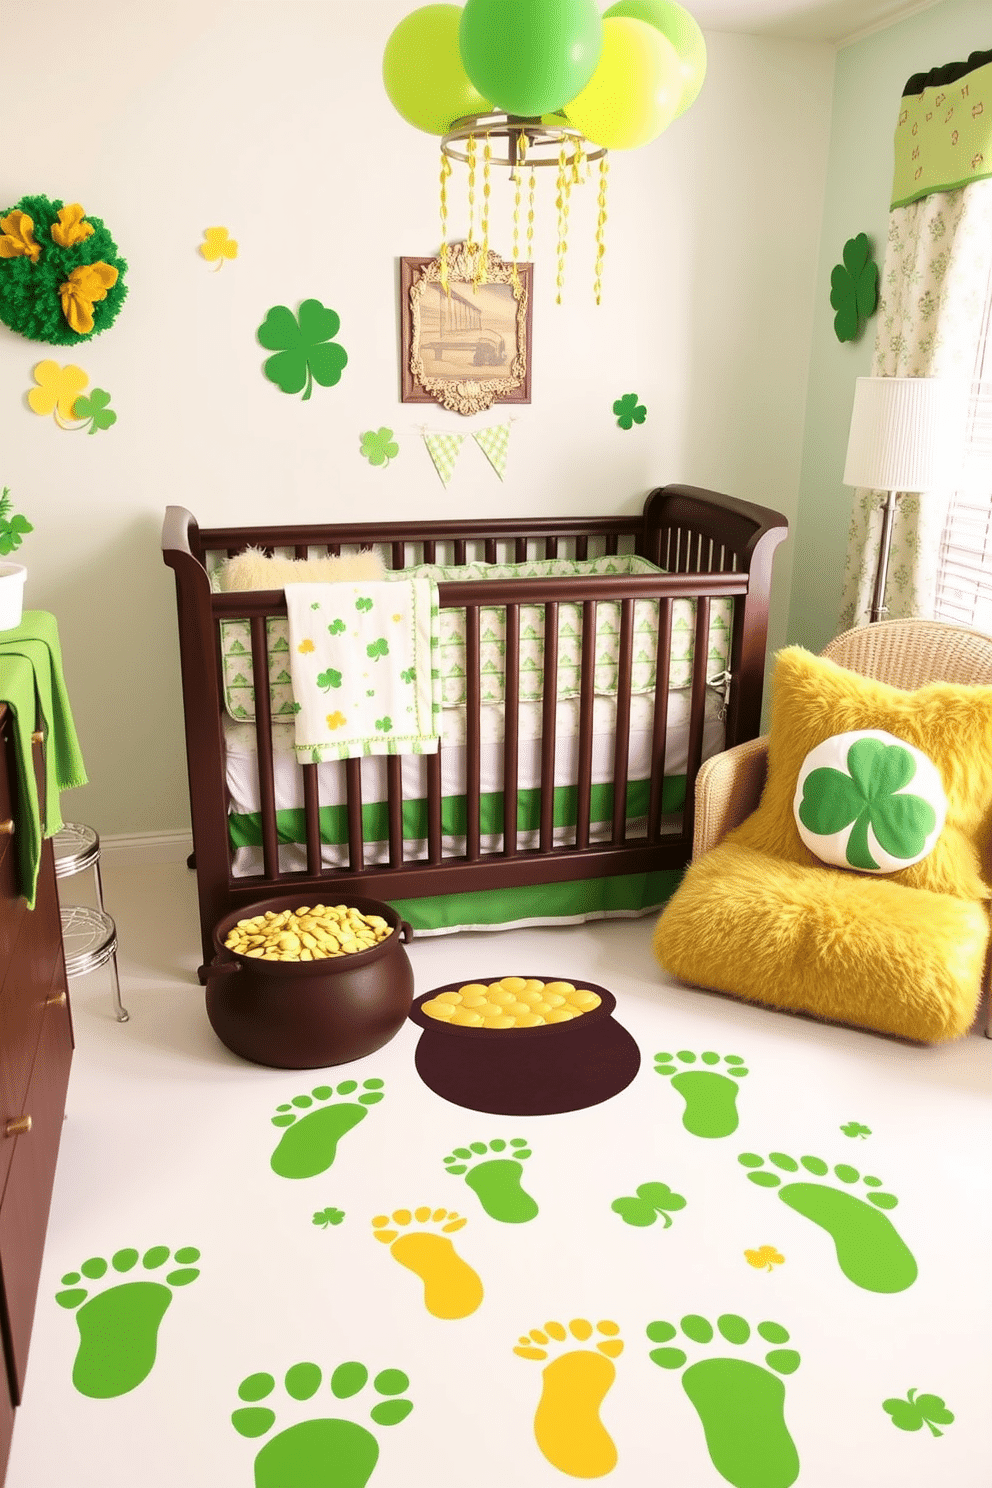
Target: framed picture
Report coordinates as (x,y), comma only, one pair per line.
(466,346)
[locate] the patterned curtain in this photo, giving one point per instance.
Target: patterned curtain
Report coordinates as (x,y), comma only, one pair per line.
(930,324)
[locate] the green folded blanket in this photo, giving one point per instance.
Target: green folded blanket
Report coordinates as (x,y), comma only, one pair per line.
(32,683)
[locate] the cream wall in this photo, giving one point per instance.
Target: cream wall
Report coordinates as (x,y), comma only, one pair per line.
(871,75)
(270,118)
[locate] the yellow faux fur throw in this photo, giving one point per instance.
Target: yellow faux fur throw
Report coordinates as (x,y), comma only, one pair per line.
(760,916)
(253,569)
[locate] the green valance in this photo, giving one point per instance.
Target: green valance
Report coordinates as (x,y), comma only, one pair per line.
(944,135)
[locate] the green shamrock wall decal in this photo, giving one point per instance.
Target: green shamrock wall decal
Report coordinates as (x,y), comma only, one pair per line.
(379,447)
(652,1200)
(325,1217)
(629,411)
(305,351)
(96,408)
(917,1411)
(856,783)
(855,1129)
(854,288)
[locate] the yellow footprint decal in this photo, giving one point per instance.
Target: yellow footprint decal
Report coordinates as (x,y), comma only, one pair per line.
(451,1288)
(566,1424)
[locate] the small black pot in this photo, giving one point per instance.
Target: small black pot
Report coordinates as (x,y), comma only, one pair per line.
(527,1071)
(309,1014)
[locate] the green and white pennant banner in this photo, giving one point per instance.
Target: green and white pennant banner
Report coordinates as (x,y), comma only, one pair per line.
(493,443)
(443,450)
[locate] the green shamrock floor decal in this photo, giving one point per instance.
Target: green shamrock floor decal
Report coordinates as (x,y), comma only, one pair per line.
(575,1383)
(710,1097)
(309,1143)
(452,1289)
(740,1404)
(651,1201)
(917,1411)
(870,1252)
(323,1451)
(325,1217)
(495,1180)
(118,1327)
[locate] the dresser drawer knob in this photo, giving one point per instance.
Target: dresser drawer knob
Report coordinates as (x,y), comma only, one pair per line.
(7,827)
(19,1126)
(58,999)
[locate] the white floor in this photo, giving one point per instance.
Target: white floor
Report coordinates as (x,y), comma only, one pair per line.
(167,1146)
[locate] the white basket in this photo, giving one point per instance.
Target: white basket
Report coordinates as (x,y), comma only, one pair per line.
(12,576)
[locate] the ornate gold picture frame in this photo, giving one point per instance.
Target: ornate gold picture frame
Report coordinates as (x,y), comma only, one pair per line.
(466,346)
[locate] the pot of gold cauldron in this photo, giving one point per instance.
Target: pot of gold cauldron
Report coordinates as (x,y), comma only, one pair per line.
(523,1046)
(307,1014)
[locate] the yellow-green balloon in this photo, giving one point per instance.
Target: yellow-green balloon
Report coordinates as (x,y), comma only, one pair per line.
(635,91)
(423,72)
(681,30)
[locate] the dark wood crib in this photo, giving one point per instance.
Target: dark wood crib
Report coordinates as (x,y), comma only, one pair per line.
(711,547)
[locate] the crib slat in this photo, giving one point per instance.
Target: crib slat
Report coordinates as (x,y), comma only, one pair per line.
(459,546)
(311,816)
(548,726)
(490,550)
(434,806)
(520,550)
(551,546)
(430,549)
(399,554)
(659,726)
(586,702)
(356,841)
(511,723)
(582,547)
(263,736)
(621,733)
(394,795)
(473,696)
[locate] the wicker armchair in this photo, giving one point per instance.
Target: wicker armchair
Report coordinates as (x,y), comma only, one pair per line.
(901,653)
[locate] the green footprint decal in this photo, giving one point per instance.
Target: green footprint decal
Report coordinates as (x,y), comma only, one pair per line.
(496,1180)
(869,1250)
(310,1142)
(326,1451)
(739,1403)
(710,1097)
(118,1328)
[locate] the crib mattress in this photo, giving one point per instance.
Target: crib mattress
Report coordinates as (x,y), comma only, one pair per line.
(243,791)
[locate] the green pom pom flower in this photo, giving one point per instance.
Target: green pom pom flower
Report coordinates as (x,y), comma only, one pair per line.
(45,247)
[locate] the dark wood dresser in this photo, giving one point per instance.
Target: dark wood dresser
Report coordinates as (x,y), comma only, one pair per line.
(35,1053)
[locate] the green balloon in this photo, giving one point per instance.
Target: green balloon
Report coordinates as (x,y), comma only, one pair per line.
(531,57)
(681,30)
(423,73)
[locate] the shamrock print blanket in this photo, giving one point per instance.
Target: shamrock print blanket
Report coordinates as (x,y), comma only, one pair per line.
(361,662)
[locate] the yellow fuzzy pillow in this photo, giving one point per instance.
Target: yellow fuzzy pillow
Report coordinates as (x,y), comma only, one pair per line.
(813,699)
(254,569)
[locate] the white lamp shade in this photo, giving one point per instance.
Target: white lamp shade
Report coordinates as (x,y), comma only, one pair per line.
(905,433)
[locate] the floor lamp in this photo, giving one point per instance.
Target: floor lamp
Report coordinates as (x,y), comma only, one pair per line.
(901,440)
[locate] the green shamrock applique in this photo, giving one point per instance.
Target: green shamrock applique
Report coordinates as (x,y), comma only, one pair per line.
(336,627)
(379,447)
(325,1217)
(384,725)
(917,1411)
(305,350)
(408,675)
(363,605)
(378,648)
(629,411)
(854,288)
(96,408)
(652,1200)
(327,680)
(866,797)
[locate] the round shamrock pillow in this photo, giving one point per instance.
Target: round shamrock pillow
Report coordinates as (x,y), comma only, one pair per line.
(868,801)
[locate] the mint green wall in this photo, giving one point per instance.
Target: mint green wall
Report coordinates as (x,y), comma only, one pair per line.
(869,80)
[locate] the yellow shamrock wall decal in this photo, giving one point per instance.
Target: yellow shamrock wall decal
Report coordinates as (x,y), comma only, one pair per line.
(58,392)
(766,1256)
(219,245)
